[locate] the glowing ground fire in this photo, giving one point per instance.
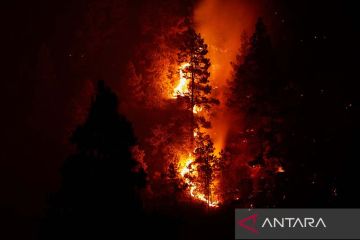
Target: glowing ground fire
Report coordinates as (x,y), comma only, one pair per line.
(188,171)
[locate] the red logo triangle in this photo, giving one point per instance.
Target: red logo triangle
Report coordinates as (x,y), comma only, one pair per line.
(249,228)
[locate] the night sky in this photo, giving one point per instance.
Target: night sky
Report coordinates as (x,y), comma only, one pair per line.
(54,50)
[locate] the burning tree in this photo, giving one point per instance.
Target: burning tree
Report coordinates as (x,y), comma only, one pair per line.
(207,165)
(195,86)
(195,70)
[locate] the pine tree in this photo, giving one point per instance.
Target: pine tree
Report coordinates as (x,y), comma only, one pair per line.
(173,178)
(101,178)
(206,164)
(255,91)
(193,52)
(253,73)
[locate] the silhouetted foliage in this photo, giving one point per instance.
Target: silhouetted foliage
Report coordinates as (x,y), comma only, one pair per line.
(193,51)
(255,94)
(176,184)
(255,82)
(100,181)
(207,164)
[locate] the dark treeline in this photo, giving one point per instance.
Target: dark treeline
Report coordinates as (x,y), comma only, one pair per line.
(99,192)
(291,124)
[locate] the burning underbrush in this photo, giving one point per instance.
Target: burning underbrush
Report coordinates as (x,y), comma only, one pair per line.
(203,141)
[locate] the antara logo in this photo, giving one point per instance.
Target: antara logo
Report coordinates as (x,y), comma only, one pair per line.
(251,218)
(294,222)
(287,222)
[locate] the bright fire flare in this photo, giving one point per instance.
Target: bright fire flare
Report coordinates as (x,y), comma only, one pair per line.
(187,166)
(187,170)
(197,109)
(183,87)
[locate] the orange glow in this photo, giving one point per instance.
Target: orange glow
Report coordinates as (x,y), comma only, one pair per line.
(195,132)
(187,171)
(221,23)
(197,109)
(186,165)
(280,169)
(182,89)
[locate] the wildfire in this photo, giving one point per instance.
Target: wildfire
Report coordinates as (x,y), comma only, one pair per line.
(183,87)
(187,167)
(197,109)
(187,170)
(195,132)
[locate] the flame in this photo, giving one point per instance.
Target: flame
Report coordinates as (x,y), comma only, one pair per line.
(195,132)
(187,170)
(183,87)
(197,109)
(280,169)
(187,166)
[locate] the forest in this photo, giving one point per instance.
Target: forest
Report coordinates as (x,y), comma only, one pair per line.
(156,119)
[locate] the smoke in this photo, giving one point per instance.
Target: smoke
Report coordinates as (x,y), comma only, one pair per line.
(221,23)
